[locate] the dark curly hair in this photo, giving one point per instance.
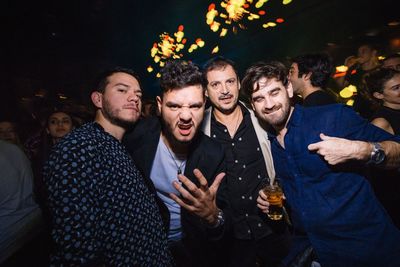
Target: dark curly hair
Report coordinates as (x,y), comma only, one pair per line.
(319,65)
(269,70)
(180,73)
(376,79)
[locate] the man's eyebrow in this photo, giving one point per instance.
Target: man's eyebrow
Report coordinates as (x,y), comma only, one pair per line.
(121,84)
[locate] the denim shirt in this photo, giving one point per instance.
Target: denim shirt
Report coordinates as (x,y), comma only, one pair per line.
(335,205)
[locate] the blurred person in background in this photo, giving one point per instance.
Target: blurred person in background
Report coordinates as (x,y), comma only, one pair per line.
(384,85)
(358,66)
(309,75)
(58,124)
(20,216)
(392,62)
(9,132)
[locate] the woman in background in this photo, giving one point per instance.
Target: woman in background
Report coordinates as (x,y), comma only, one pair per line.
(384,85)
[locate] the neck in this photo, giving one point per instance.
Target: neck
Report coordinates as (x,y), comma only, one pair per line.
(282,129)
(392,106)
(116,131)
(308,90)
(173,145)
(55,140)
(231,120)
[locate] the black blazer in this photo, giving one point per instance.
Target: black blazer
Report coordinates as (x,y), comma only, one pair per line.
(205,154)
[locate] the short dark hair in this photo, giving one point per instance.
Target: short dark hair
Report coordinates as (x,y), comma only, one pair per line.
(102,79)
(318,64)
(217,63)
(376,79)
(269,70)
(180,73)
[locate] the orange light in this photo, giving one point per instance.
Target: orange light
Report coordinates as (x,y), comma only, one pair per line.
(280,20)
(180,28)
(261,12)
(211,7)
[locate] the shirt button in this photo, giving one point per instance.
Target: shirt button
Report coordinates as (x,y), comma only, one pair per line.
(214,136)
(225,130)
(258,176)
(243,197)
(259,224)
(250,197)
(240,138)
(236,161)
(258,149)
(233,144)
(240,178)
(248,231)
(247,215)
(244,166)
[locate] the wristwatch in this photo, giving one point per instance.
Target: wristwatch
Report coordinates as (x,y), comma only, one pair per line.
(377,155)
(220,219)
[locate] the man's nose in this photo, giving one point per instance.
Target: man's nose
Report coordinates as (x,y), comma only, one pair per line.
(268,103)
(185,114)
(224,89)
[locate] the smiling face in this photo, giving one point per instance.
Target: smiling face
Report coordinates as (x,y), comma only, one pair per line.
(121,102)
(223,89)
(271,101)
(182,112)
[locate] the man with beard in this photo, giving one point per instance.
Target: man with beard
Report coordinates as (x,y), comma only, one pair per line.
(181,163)
(323,177)
(249,164)
(103,214)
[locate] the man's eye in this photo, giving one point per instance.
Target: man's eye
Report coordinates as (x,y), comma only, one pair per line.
(173,107)
(214,85)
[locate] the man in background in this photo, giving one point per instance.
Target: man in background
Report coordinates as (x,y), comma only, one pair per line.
(309,75)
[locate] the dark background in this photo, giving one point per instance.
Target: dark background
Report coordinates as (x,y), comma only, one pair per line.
(55,48)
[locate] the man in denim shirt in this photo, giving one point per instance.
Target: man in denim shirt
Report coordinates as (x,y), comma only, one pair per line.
(323,177)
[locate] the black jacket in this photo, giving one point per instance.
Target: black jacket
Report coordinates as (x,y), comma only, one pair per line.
(205,154)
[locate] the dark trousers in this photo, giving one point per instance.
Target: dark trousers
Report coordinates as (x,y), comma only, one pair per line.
(266,252)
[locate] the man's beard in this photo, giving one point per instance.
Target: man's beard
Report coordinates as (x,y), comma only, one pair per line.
(280,121)
(112,116)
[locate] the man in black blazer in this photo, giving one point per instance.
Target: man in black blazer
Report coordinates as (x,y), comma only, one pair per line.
(183,166)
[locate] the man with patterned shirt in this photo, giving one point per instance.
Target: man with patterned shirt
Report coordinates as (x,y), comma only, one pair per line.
(102,211)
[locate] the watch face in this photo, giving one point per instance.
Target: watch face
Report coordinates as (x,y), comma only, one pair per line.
(379,156)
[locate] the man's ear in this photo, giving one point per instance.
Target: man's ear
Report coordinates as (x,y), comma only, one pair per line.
(159,104)
(307,76)
(378,95)
(289,89)
(97,99)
